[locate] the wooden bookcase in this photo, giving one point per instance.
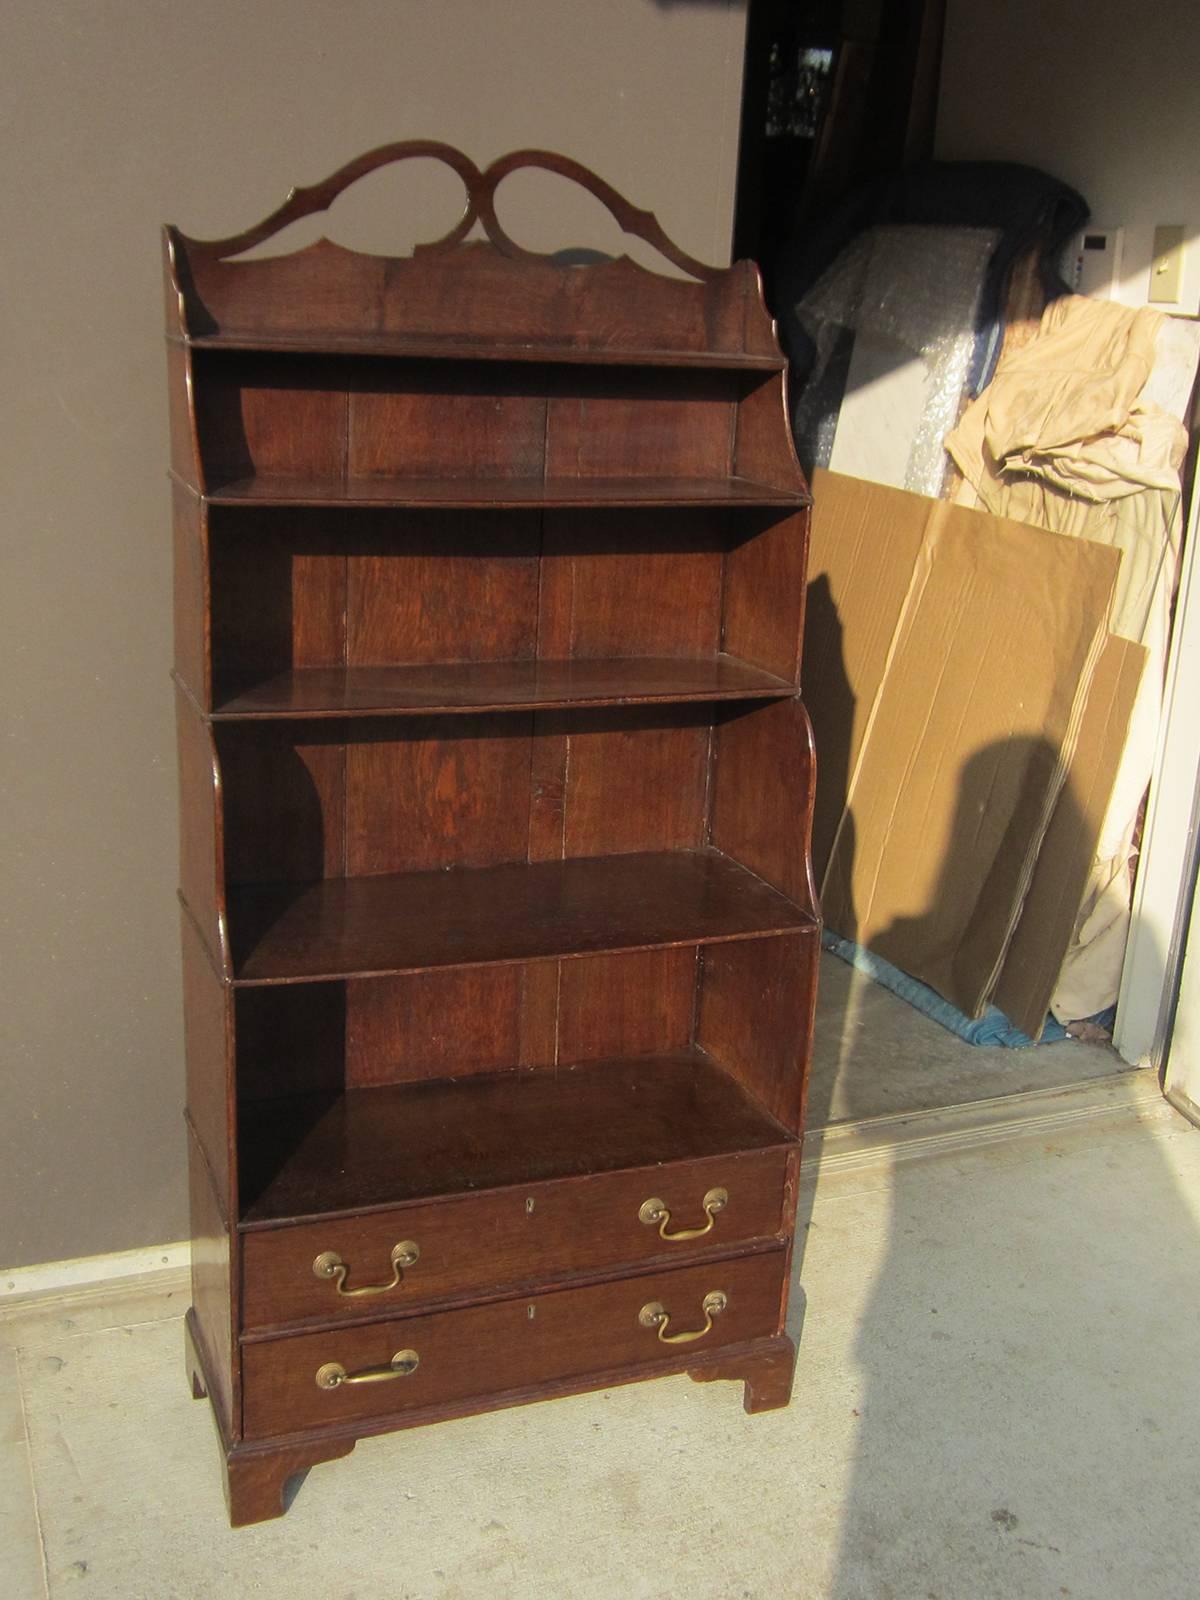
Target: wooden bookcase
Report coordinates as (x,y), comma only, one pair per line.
(499,931)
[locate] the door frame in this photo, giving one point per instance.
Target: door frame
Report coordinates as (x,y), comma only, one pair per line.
(1166,878)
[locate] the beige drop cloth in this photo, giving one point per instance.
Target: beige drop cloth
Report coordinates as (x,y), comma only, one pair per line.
(1066,437)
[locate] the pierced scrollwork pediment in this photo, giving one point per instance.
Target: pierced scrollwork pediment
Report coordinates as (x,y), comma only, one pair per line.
(480,207)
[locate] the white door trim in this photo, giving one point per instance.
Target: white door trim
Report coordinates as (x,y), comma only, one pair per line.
(1167,870)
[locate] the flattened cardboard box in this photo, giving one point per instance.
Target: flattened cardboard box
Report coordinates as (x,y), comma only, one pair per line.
(948,658)
(1047,919)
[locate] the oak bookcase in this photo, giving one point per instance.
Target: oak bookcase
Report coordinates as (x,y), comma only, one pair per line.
(499,931)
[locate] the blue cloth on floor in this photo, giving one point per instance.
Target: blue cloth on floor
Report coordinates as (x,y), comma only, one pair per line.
(991,1028)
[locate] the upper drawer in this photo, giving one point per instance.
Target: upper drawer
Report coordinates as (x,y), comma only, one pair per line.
(387,1261)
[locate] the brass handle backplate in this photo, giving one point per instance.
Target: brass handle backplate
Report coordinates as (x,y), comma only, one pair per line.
(655,1213)
(334,1376)
(654,1315)
(330,1265)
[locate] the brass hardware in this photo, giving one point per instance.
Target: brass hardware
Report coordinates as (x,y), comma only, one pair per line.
(333,1375)
(330,1265)
(655,1211)
(655,1315)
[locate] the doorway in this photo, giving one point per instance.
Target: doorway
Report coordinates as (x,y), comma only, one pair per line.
(837,94)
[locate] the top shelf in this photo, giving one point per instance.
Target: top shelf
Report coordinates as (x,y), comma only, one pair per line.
(404,345)
(497,493)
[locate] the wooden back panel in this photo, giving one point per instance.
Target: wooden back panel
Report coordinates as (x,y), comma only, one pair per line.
(302,588)
(323,1037)
(341,418)
(329,799)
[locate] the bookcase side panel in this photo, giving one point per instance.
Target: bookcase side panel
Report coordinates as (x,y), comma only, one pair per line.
(191,594)
(762,445)
(270,415)
(201,829)
(186,461)
(284,801)
(755,1017)
(214,1310)
(758,326)
(763,795)
(291,1040)
(208,1053)
(278,587)
(763,600)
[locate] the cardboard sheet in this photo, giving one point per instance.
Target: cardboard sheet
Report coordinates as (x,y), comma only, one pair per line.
(1047,918)
(864,546)
(967,679)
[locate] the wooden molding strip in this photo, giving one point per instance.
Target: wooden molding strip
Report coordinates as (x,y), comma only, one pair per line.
(20,1284)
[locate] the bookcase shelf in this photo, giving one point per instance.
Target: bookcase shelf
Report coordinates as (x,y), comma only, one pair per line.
(472,494)
(401,345)
(320,1156)
(516,911)
(498,924)
(483,686)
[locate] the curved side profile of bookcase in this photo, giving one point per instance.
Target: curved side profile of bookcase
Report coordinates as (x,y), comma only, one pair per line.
(201,832)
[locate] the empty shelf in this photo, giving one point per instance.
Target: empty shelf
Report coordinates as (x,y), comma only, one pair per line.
(500,686)
(469,494)
(517,911)
(414,346)
(318,1155)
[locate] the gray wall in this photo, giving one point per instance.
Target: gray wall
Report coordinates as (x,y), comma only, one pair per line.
(1098,93)
(118,116)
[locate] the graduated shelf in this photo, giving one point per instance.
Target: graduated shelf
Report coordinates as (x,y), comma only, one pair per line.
(492,493)
(500,686)
(415,346)
(320,1155)
(517,911)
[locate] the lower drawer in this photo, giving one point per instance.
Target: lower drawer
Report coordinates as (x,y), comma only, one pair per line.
(462,1246)
(381,1369)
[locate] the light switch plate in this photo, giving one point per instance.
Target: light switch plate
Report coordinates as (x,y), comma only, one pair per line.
(1166,269)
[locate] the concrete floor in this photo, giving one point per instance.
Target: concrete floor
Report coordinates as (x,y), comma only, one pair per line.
(875,1056)
(995,1398)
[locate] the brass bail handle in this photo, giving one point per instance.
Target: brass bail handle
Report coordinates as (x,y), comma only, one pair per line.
(330,1265)
(655,1315)
(656,1212)
(334,1376)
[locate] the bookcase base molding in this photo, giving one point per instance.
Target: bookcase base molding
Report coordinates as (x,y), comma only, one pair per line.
(258,1472)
